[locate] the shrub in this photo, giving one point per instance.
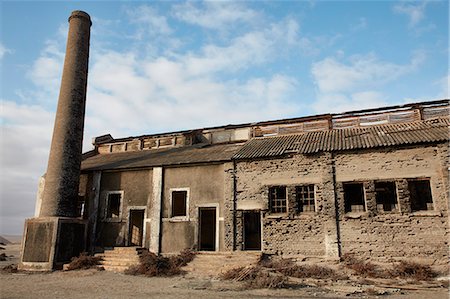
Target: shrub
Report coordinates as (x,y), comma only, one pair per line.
(151,264)
(256,277)
(363,268)
(413,270)
(3,257)
(84,261)
(10,269)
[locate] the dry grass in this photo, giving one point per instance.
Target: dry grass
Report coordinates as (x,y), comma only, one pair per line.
(256,277)
(411,270)
(84,261)
(363,268)
(155,265)
(289,268)
(10,269)
(403,269)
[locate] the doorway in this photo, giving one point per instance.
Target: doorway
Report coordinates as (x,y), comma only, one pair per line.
(252,230)
(136,227)
(207,229)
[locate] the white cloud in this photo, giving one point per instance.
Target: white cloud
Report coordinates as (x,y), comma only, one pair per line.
(3,51)
(24,145)
(349,86)
(215,14)
(415,11)
(150,21)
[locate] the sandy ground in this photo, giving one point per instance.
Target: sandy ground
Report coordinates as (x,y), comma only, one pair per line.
(102,284)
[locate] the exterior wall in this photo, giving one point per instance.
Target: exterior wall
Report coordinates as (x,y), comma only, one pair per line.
(421,234)
(206,187)
(137,189)
(289,234)
(370,234)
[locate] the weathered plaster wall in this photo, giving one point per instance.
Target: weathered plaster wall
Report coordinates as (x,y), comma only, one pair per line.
(206,186)
(422,234)
(290,234)
(137,188)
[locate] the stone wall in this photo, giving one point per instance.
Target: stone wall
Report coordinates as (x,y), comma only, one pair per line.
(401,233)
(369,234)
(292,233)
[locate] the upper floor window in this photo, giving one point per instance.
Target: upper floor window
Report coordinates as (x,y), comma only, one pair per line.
(420,195)
(113,204)
(305,198)
(354,197)
(278,199)
(179,202)
(386,196)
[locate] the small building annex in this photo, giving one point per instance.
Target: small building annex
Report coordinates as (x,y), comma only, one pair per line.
(371,182)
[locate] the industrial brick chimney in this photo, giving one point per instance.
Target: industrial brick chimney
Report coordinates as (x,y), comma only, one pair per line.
(56,235)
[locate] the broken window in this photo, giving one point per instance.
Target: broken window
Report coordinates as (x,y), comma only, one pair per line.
(420,195)
(278,199)
(179,203)
(305,198)
(113,205)
(80,205)
(354,197)
(386,196)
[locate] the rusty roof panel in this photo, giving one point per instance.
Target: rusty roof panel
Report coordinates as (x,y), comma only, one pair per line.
(436,130)
(161,157)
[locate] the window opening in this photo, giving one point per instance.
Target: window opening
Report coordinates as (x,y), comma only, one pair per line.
(354,197)
(305,198)
(420,195)
(113,209)
(277,199)
(179,199)
(386,196)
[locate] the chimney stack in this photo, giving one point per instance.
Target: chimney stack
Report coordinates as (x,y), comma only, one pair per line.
(56,234)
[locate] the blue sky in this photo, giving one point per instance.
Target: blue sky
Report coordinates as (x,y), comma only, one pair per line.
(163,66)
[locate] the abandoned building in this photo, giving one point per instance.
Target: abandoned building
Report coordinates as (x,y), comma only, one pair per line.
(372,182)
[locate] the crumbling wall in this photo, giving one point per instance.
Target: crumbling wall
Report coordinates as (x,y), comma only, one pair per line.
(311,233)
(401,233)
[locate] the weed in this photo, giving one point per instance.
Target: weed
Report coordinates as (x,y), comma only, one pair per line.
(84,261)
(151,264)
(256,277)
(413,270)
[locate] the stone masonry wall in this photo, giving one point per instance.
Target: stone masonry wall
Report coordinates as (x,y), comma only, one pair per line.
(402,233)
(370,234)
(308,233)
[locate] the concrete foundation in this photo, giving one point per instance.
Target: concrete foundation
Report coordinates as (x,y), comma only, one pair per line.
(50,242)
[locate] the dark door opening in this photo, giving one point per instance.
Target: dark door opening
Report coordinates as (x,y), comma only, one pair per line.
(252,230)
(207,229)
(136,227)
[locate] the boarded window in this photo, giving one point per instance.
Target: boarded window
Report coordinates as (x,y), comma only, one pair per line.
(386,196)
(354,197)
(179,199)
(420,195)
(305,198)
(277,199)
(113,208)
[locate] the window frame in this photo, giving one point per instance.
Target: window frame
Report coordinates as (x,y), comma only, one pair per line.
(105,216)
(364,198)
(179,218)
(431,194)
(270,199)
(299,202)
(397,201)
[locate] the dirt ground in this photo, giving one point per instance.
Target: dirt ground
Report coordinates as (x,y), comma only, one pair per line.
(102,284)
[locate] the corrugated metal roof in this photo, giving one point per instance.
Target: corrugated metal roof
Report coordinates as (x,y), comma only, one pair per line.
(347,139)
(161,157)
